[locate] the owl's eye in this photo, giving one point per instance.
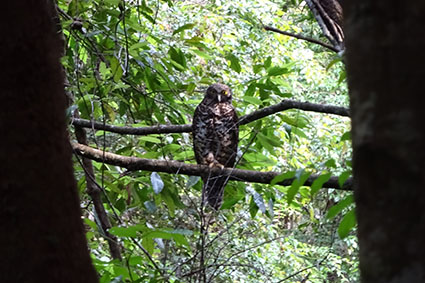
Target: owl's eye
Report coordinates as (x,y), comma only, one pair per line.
(224,92)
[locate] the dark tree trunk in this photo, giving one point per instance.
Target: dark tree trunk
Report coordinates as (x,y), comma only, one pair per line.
(42,236)
(385,67)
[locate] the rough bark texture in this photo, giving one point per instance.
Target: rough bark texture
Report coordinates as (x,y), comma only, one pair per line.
(176,167)
(329,16)
(385,60)
(258,114)
(42,236)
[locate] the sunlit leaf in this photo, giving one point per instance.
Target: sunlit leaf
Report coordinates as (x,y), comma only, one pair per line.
(116,69)
(250,90)
(337,208)
(343,177)
(252,100)
(150,139)
(234,63)
(301,177)
(282,177)
(318,183)
(276,71)
(130,231)
(346,136)
(183,27)
(348,222)
(331,163)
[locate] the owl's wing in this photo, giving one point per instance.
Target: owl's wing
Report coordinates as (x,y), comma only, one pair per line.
(203,133)
(227,131)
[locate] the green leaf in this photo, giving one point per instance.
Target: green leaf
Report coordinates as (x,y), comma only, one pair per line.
(253,208)
(202,54)
(282,177)
(257,68)
(268,62)
(138,45)
(298,132)
(130,231)
(148,244)
(296,184)
(337,208)
(343,177)
(177,65)
(296,120)
(346,136)
(250,90)
(230,202)
(177,56)
(116,69)
(258,199)
(183,27)
(318,183)
(113,2)
(331,163)
(348,222)
(166,196)
(252,100)
(333,62)
(157,183)
(342,77)
(150,139)
(91,223)
(234,63)
(178,235)
(277,71)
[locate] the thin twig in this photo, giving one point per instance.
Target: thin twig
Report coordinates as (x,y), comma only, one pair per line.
(300,36)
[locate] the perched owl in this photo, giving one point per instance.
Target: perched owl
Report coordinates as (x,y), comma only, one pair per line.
(215,139)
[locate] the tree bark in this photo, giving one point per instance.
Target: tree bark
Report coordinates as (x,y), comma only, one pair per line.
(187,128)
(385,45)
(42,236)
(176,167)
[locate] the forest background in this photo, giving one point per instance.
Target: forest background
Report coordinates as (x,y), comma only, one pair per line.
(147,63)
(135,71)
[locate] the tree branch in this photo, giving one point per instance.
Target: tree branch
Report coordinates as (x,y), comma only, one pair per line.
(258,114)
(175,167)
(140,131)
(299,36)
(292,104)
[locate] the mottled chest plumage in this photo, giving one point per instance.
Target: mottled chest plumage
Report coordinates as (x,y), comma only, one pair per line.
(215,138)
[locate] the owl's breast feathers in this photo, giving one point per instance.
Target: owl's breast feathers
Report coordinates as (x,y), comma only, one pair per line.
(215,131)
(215,140)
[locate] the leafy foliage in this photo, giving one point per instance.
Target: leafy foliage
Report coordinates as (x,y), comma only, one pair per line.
(146,63)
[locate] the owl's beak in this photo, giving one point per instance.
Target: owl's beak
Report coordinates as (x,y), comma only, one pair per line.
(219,98)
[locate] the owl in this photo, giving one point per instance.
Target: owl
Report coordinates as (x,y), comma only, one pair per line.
(215,139)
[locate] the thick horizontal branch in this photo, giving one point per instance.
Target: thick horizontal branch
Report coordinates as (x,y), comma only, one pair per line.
(141,131)
(292,104)
(299,36)
(175,167)
(258,114)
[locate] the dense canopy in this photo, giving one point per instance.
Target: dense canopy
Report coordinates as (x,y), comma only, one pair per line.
(136,70)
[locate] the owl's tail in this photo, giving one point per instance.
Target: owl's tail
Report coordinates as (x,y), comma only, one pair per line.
(213,190)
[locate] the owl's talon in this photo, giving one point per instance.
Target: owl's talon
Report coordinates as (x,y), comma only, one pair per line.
(215,163)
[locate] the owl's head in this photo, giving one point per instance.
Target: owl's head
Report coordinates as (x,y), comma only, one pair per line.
(217,93)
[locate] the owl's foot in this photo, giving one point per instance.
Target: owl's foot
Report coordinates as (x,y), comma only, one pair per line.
(215,163)
(212,162)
